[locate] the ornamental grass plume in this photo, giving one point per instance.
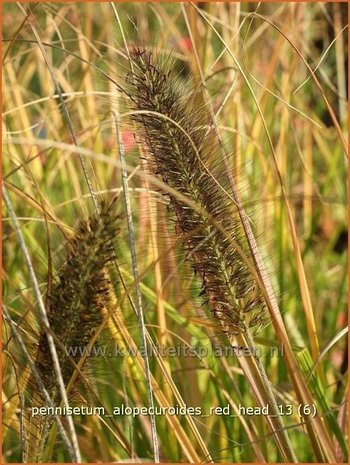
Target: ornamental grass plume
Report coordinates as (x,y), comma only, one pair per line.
(182,151)
(77,306)
(179,139)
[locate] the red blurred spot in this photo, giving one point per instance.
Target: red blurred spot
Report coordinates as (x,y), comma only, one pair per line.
(185,44)
(341,320)
(337,358)
(128,140)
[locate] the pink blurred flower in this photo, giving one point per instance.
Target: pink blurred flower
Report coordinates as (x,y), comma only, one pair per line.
(341,320)
(128,140)
(185,44)
(337,358)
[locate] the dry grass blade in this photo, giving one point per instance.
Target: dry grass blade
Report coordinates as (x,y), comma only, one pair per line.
(140,312)
(330,344)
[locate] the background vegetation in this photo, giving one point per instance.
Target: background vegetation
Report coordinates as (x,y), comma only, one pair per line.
(276,76)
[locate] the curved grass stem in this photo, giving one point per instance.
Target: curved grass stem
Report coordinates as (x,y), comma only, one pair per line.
(144,349)
(261,386)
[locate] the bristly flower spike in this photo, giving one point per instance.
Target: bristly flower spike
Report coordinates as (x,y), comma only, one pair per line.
(174,129)
(181,155)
